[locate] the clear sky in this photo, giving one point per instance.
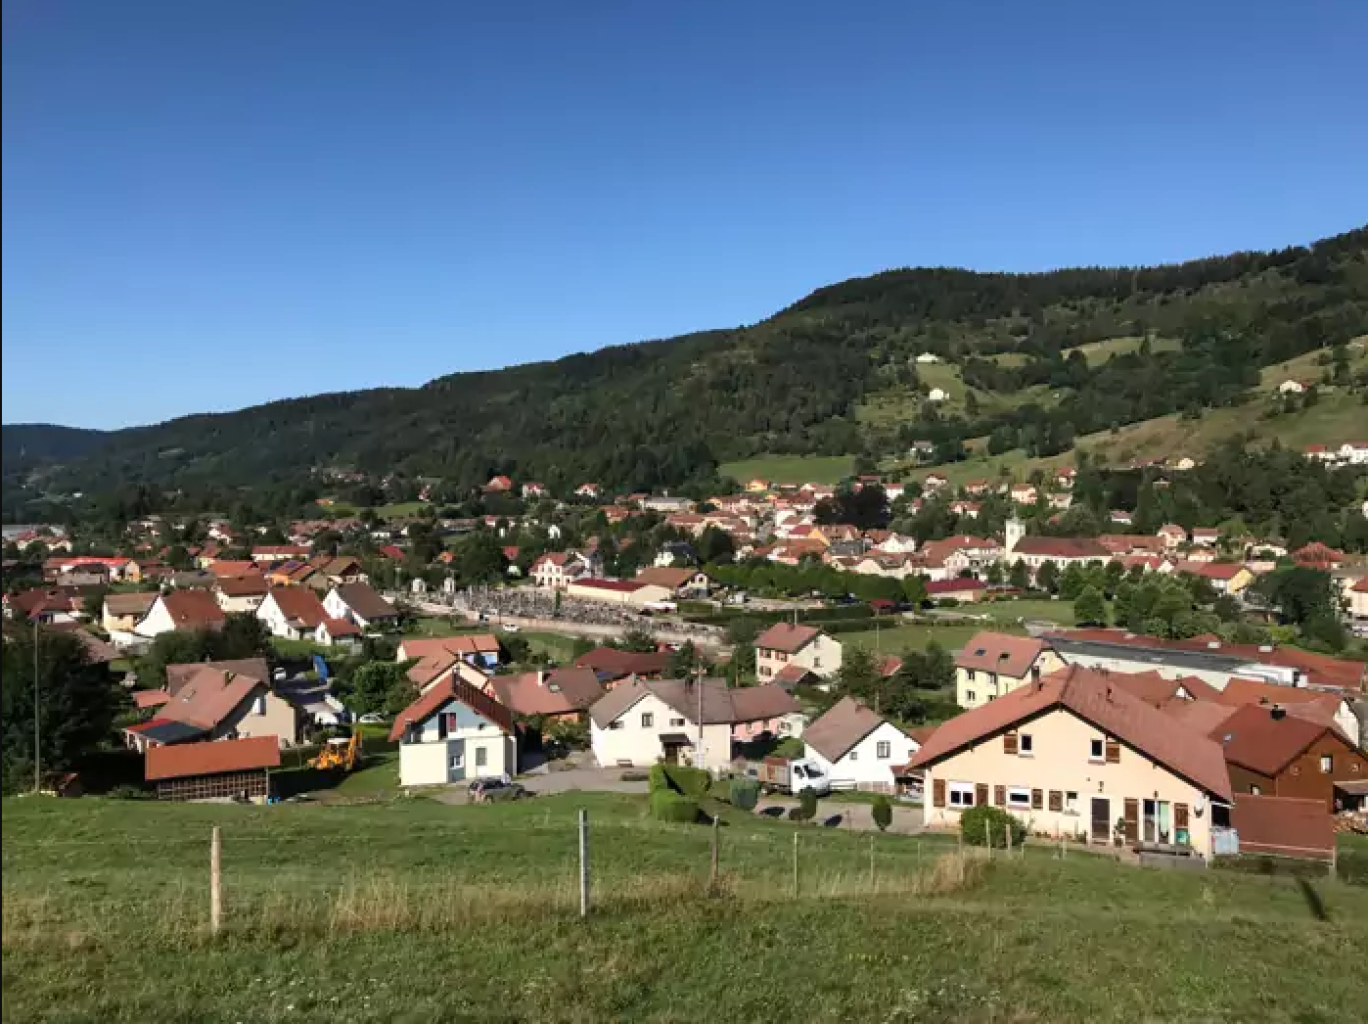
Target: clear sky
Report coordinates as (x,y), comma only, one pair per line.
(209,205)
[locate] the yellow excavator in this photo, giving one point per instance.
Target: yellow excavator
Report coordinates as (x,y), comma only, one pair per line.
(340,753)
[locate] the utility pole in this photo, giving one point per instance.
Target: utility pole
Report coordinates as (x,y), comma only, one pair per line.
(37,755)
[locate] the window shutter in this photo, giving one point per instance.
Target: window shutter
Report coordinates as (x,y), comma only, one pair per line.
(1056,800)
(1113,752)
(1000,795)
(938,793)
(1180,815)
(1132,821)
(981,793)
(1009,743)
(1037,799)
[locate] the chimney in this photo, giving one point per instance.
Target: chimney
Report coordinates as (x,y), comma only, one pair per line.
(541,678)
(1278,712)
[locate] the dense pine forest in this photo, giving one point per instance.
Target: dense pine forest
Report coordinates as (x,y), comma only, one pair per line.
(667,413)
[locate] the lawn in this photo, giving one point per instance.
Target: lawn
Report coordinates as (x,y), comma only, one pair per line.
(415,911)
(560,649)
(903,636)
(288,648)
(1030,609)
(791,469)
(444,625)
(1098,352)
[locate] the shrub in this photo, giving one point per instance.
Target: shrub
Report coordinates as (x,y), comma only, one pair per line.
(667,805)
(790,747)
(692,782)
(882,812)
(978,823)
(807,806)
(127,791)
(635,776)
(660,782)
(745,793)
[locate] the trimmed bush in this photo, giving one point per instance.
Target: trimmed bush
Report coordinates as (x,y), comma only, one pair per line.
(660,782)
(667,805)
(745,793)
(882,812)
(978,823)
(807,805)
(692,782)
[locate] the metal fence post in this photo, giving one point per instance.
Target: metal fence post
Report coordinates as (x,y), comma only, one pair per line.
(795,865)
(713,867)
(215,882)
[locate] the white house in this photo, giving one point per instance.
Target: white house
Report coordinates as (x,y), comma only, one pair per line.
(337,633)
(556,570)
(1291,387)
(452,733)
(928,357)
(359,603)
(856,745)
(639,723)
(291,612)
(188,610)
(937,395)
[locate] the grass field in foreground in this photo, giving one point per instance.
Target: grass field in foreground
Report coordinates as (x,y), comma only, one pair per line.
(414,911)
(790,469)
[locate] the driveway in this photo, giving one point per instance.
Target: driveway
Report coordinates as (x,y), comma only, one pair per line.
(850,814)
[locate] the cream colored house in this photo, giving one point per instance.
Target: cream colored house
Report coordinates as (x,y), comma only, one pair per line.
(623,592)
(1075,756)
(785,644)
(454,733)
(642,723)
(122,612)
(994,664)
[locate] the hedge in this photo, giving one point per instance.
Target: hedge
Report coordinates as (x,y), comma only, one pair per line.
(667,805)
(658,780)
(745,793)
(976,821)
(693,782)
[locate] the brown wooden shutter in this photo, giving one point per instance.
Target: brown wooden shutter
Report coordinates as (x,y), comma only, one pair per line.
(1009,743)
(1037,799)
(1056,800)
(1113,752)
(1180,815)
(981,793)
(938,793)
(1132,821)
(1000,795)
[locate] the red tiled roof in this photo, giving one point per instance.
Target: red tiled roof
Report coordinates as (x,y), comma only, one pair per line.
(786,637)
(288,550)
(241,586)
(188,759)
(999,652)
(340,627)
(1254,739)
(561,691)
(299,605)
(617,664)
(1240,691)
(476,643)
(450,689)
(1226,571)
(192,609)
(1156,690)
(143,699)
(210,695)
(1090,695)
(1060,547)
(223,569)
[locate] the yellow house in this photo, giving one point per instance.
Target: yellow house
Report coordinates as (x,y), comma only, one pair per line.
(994,664)
(1074,755)
(757,486)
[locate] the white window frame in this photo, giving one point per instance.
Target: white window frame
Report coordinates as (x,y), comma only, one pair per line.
(1025,745)
(1327,764)
(676,722)
(458,761)
(964,791)
(1019,797)
(1101,747)
(1070,802)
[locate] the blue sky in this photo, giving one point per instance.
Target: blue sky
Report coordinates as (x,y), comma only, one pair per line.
(210,205)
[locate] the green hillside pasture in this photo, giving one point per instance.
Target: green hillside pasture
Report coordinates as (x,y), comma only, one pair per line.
(791,469)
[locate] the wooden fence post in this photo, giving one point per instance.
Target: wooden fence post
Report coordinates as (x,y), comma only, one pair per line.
(1008,829)
(713,868)
(871,862)
(584,862)
(215,882)
(795,865)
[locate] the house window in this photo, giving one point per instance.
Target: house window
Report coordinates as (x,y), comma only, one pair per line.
(854,755)
(481,757)
(1026,745)
(1256,790)
(676,721)
(647,720)
(884,750)
(615,725)
(972,675)
(961,794)
(1018,796)
(457,762)
(970,697)
(1095,750)
(259,706)
(1070,803)
(1327,764)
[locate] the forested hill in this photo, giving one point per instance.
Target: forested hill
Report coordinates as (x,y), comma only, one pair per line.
(667,412)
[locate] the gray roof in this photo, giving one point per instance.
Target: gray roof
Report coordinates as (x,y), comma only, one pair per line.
(841,728)
(1192,660)
(722,705)
(171,732)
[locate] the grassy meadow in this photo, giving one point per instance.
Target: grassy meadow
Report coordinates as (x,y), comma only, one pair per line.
(790,469)
(416,911)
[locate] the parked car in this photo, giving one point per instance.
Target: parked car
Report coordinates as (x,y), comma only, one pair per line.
(510,627)
(780,775)
(373,718)
(496,790)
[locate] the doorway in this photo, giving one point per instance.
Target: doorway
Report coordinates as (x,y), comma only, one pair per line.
(1101,819)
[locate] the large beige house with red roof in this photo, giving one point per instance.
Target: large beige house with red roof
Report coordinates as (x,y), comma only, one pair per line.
(1075,755)
(786,644)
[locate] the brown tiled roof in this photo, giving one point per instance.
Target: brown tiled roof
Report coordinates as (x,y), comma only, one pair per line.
(143,699)
(450,689)
(1240,691)
(209,696)
(188,759)
(616,664)
(226,569)
(841,728)
(476,643)
(1090,695)
(786,637)
(242,586)
(193,609)
(1000,652)
(1155,690)
(299,605)
(362,599)
(757,703)
(663,576)
(288,550)
(1282,825)
(1252,738)
(1201,716)
(722,705)
(179,674)
(136,603)
(558,692)
(1060,547)
(341,627)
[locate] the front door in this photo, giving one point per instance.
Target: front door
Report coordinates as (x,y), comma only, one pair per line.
(1101,819)
(672,753)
